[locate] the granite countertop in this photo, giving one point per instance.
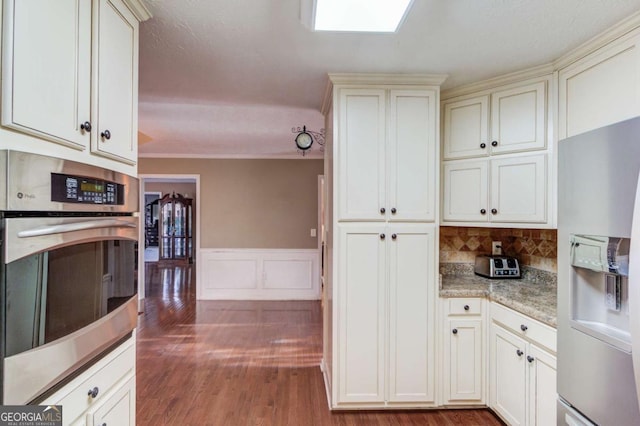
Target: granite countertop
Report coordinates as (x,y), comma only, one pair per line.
(534,296)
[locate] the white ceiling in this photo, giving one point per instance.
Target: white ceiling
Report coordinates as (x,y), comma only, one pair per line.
(232,77)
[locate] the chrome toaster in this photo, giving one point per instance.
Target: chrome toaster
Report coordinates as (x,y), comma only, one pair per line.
(497,266)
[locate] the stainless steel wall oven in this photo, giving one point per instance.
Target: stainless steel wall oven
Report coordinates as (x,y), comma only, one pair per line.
(68,269)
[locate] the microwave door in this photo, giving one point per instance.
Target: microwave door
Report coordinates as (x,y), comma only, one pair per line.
(634,290)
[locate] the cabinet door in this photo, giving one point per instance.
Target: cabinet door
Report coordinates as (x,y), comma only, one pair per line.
(361,156)
(115,74)
(412,285)
(508,371)
(463,361)
(361,313)
(542,387)
(465,128)
(519,189)
(46,69)
(119,409)
(465,191)
(518,119)
(411,153)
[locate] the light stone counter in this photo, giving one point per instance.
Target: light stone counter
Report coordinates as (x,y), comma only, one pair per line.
(534,296)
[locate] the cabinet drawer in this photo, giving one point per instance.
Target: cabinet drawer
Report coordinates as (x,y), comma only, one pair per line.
(104,375)
(524,326)
(465,306)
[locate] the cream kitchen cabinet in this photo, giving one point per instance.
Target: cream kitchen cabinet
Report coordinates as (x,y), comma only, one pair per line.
(464,351)
(522,368)
(387,154)
(507,189)
(70,76)
(118,408)
(505,120)
(385,316)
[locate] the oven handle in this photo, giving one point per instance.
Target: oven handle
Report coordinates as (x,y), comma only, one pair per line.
(76,226)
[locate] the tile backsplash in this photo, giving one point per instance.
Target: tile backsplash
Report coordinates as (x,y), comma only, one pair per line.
(537,248)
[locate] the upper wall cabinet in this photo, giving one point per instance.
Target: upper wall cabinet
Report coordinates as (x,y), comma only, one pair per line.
(600,88)
(70,74)
(387,158)
(507,120)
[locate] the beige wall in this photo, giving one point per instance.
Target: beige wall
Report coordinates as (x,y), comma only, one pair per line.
(251,203)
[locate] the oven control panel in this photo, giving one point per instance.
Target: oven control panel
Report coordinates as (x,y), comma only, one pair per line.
(84,190)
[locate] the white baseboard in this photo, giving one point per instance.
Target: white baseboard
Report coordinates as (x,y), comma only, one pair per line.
(259,274)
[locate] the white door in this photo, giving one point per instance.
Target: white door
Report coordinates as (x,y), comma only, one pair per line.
(519,189)
(46,75)
(411,156)
(543,397)
(464,197)
(361,312)
(411,342)
(465,128)
(518,118)
(463,360)
(508,372)
(115,75)
(361,155)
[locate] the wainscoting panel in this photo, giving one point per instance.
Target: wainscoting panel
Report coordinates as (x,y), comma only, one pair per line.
(252,274)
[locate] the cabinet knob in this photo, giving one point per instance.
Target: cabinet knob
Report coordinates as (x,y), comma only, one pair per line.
(382,236)
(494,211)
(93,392)
(454,331)
(483,145)
(106,134)
(466,307)
(483,211)
(382,210)
(394,236)
(86,126)
(523,327)
(530,358)
(519,352)
(494,143)
(393,210)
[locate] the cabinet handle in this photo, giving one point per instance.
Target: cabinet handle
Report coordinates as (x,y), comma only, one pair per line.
(394,236)
(483,211)
(454,331)
(494,143)
(519,352)
(523,327)
(382,210)
(483,145)
(466,307)
(93,392)
(106,134)
(86,126)
(494,211)
(393,210)
(530,358)
(382,236)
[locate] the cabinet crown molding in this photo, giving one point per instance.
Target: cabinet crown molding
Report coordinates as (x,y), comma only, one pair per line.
(387,79)
(139,9)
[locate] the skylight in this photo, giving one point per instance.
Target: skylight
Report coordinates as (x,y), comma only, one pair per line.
(382,16)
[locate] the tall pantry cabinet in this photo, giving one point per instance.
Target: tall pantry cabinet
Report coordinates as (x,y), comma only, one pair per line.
(381,160)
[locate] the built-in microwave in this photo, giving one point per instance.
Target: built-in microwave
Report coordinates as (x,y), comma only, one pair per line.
(68,270)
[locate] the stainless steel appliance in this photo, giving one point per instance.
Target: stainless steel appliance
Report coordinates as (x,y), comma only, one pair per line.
(497,266)
(598,271)
(68,235)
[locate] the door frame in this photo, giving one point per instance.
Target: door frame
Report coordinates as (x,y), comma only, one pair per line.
(141,269)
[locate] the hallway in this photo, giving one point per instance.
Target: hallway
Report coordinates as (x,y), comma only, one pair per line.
(242,363)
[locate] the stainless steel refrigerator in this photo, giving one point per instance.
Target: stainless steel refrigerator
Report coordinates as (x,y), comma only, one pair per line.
(599,276)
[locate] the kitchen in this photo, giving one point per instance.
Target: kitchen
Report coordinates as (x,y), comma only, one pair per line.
(580,88)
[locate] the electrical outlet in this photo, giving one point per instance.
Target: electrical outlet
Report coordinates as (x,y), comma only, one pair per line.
(496,247)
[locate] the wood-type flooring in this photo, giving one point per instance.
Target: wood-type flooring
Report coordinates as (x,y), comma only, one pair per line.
(242,363)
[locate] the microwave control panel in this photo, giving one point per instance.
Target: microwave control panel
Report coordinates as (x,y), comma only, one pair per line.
(84,190)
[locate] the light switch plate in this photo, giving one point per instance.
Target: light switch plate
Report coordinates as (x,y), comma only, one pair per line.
(313,232)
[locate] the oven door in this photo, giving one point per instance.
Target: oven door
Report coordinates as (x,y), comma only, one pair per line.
(69,287)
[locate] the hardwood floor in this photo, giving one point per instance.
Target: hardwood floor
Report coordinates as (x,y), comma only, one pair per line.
(242,363)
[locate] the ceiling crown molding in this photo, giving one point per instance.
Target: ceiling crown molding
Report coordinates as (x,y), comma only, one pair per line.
(139,9)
